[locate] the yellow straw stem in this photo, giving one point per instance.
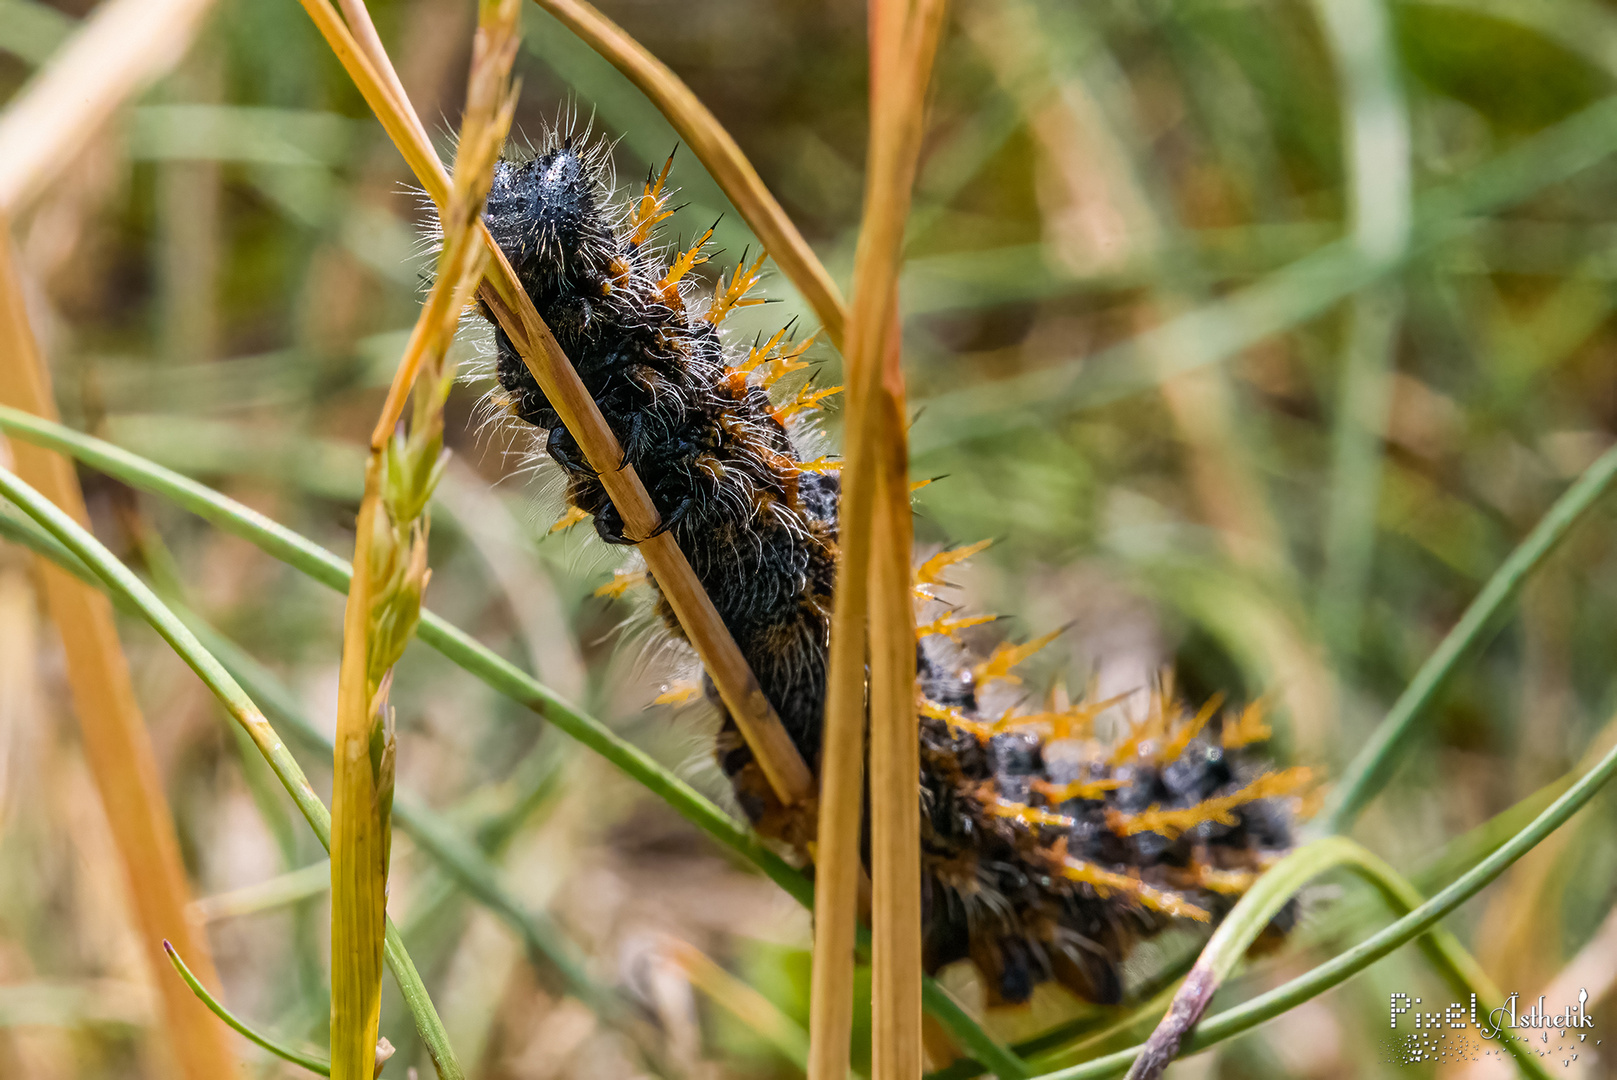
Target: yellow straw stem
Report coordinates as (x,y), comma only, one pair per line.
(359,841)
(875,578)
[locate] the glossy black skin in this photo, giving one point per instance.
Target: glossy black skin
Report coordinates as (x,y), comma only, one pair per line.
(701,449)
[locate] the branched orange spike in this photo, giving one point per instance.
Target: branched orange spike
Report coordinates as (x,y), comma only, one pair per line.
(680,693)
(1081,716)
(1006,656)
(806,398)
(728,297)
(787,362)
(757,355)
(1229,882)
(688,260)
(1078,789)
(648,211)
(826,464)
(1029,815)
(1157,720)
(928,576)
(572,517)
(1187,732)
(1170,823)
(948,625)
(1104,881)
(1062,723)
(917,485)
(956,720)
(779,368)
(622,583)
(1250,728)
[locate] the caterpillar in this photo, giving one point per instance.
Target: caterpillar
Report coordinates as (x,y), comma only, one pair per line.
(1048,851)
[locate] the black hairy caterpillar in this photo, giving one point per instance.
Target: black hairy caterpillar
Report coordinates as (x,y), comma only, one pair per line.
(1047,852)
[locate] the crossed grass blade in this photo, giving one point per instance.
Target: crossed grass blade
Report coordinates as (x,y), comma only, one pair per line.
(445,841)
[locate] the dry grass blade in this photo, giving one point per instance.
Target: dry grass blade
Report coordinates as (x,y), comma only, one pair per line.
(875,504)
(123,47)
(511,306)
(390,562)
(716,150)
(116,744)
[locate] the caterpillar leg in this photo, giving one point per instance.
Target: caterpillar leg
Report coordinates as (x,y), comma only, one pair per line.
(564,450)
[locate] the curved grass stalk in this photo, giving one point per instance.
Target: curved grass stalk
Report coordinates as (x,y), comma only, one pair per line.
(1339,969)
(114,736)
(465,652)
(121,581)
(716,150)
(1262,902)
(1371,769)
(297,1057)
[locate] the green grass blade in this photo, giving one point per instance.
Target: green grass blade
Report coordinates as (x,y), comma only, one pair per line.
(1371,769)
(308,1061)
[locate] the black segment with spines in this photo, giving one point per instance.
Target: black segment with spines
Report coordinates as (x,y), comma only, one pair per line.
(718,465)
(1037,861)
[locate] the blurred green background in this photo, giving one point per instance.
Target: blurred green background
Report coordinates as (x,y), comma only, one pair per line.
(1256,332)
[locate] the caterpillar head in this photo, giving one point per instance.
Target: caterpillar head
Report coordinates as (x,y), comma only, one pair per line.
(543,212)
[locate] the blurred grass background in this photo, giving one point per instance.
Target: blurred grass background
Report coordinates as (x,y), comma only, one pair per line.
(1257,332)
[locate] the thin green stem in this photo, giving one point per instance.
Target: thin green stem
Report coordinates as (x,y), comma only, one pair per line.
(1371,769)
(121,581)
(308,1061)
(1344,966)
(461,649)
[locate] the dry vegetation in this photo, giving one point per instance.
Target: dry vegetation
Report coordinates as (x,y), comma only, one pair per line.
(1271,339)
